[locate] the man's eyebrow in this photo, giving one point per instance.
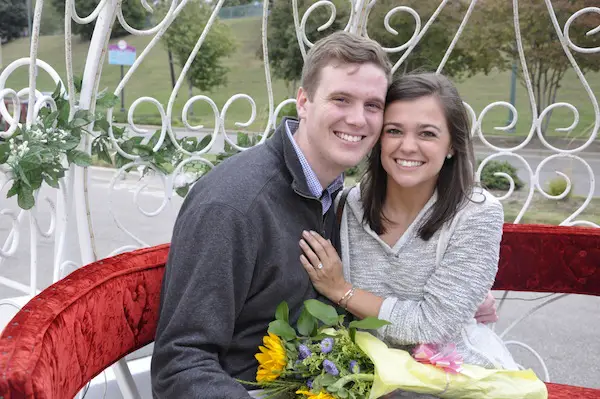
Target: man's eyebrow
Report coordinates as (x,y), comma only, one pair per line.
(346,94)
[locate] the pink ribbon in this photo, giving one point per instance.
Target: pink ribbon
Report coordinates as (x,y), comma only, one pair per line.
(446,358)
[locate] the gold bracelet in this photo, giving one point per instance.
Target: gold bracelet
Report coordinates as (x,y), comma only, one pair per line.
(346,297)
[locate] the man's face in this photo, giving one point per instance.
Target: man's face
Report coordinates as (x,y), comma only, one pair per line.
(343,120)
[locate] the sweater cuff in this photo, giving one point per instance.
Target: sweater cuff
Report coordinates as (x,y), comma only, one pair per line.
(385,312)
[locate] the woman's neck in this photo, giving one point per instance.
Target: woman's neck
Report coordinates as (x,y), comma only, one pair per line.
(402,205)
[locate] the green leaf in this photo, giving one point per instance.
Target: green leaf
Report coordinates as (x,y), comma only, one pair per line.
(63,113)
(100,149)
(307,324)
(25,197)
(81,118)
(79,158)
(78,82)
(4,152)
(189,143)
(14,190)
(102,124)
(108,100)
(49,119)
(282,329)
(118,131)
(352,332)
(283,312)
(204,142)
(327,314)
(183,191)
(51,181)
(57,91)
(120,160)
(368,323)
(35,178)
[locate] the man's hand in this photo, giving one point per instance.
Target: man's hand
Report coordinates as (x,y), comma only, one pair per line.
(486,313)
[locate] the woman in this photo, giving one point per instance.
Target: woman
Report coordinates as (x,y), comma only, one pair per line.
(420,242)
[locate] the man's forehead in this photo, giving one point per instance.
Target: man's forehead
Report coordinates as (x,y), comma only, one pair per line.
(346,78)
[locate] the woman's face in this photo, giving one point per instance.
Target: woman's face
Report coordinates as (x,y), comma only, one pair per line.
(415,142)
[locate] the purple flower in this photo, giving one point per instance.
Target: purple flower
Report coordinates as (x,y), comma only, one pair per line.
(329,367)
(304,352)
(309,383)
(354,367)
(326,345)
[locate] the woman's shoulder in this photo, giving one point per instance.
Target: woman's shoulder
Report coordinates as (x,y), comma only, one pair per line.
(483,204)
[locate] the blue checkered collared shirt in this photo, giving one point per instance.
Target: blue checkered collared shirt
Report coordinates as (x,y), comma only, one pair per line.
(325,196)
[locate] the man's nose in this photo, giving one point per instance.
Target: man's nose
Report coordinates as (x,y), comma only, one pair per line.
(356,116)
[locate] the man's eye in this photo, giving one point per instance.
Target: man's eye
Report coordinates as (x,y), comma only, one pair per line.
(339,99)
(374,106)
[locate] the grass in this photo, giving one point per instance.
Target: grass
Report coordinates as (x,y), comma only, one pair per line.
(247,76)
(545,211)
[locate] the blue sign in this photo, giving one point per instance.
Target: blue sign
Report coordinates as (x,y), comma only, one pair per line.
(121,54)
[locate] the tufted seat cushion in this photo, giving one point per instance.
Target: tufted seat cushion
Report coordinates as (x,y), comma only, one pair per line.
(84,323)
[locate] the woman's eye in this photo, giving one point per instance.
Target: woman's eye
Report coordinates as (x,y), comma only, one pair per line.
(428,134)
(393,131)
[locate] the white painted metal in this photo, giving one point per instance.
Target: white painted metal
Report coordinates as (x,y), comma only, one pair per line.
(71,224)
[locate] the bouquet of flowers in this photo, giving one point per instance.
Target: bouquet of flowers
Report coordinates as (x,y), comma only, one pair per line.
(321,358)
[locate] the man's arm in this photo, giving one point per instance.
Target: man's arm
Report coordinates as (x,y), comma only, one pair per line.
(208,274)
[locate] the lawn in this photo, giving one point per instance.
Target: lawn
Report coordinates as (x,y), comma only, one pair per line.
(247,76)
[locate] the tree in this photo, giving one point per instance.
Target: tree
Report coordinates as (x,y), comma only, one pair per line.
(493,40)
(207,70)
(13,19)
(286,60)
(285,57)
(429,52)
(133,12)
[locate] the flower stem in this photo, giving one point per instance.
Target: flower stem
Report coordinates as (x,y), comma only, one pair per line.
(352,378)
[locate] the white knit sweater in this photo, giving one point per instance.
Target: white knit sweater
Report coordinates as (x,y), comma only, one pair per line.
(431,288)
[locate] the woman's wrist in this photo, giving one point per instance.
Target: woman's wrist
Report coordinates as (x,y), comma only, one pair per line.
(341,296)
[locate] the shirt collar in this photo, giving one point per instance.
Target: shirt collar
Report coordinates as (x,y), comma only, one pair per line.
(312,180)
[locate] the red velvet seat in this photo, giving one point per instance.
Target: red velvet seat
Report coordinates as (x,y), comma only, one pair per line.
(82,324)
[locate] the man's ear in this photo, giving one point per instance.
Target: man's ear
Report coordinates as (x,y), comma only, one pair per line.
(301,101)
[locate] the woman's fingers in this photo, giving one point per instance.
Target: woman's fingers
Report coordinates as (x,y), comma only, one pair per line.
(310,254)
(312,273)
(316,244)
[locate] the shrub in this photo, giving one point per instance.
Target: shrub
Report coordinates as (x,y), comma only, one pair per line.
(557,186)
(491,182)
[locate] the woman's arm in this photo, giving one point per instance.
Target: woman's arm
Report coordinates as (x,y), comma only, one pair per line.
(452,294)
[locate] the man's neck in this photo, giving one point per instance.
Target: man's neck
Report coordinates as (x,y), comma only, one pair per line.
(325,174)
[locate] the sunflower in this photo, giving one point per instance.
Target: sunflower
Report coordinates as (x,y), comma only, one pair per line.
(271,360)
(320,395)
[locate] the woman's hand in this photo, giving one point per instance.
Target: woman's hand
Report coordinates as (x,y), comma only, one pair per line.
(323,266)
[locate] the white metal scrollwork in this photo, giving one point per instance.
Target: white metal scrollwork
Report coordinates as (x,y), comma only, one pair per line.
(71,216)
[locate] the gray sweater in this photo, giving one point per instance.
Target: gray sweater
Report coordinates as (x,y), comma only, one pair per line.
(431,288)
(234,257)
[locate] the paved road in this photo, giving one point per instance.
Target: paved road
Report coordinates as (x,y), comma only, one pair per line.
(577,171)
(565,334)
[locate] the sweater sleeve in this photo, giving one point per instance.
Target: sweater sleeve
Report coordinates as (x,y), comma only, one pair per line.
(457,286)
(207,278)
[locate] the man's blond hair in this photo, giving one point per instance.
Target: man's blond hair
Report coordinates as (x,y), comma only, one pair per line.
(341,47)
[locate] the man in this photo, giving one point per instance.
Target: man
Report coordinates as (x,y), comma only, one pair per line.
(234,252)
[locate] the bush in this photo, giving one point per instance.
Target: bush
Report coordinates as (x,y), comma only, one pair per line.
(491,182)
(557,186)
